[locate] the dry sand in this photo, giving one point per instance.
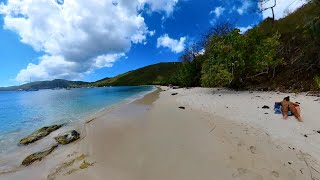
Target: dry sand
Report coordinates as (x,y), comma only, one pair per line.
(214,137)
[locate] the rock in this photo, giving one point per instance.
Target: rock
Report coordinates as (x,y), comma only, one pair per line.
(305,135)
(181,107)
(173,94)
(67,137)
(318,131)
(39,134)
(313,93)
(265,107)
(38,156)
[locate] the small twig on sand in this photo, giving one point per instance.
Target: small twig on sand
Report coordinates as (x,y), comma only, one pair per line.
(307,165)
(213,129)
(315,170)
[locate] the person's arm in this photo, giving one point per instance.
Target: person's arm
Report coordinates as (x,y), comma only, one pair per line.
(296,104)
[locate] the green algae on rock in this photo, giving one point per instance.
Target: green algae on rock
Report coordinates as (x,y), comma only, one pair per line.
(38,156)
(67,137)
(39,134)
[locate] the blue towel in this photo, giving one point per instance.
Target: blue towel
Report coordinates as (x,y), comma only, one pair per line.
(277,109)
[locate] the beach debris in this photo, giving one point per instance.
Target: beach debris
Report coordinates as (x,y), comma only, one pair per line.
(301,170)
(181,107)
(39,134)
(265,107)
(266,113)
(38,156)
(275,174)
(318,131)
(317,99)
(67,137)
(313,93)
(173,94)
(253,149)
(305,135)
(290,163)
(65,166)
(87,122)
(85,165)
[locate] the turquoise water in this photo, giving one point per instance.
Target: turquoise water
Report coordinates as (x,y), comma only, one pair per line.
(21,113)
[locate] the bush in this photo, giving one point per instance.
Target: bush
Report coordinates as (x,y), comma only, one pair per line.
(234,58)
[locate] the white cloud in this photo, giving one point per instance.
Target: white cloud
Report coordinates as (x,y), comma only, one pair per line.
(246,4)
(218,11)
(244,29)
(282,8)
(78,36)
(160,5)
(175,46)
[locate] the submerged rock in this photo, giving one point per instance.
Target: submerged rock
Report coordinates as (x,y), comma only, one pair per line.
(67,137)
(38,156)
(39,134)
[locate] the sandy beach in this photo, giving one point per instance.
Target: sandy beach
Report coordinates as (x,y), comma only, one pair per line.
(216,134)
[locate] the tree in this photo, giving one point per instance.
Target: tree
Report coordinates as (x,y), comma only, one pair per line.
(234,58)
(262,4)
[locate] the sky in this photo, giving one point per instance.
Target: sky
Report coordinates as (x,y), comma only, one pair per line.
(92,39)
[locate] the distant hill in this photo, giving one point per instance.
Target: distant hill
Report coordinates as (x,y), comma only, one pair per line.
(149,75)
(57,83)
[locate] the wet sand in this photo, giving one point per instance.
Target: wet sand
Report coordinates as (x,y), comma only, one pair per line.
(153,138)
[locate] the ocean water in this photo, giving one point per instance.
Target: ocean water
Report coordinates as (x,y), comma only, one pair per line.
(22,112)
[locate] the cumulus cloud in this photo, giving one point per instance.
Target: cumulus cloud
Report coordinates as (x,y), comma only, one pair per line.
(246,4)
(78,36)
(244,29)
(218,11)
(175,46)
(160,5)
(282,8)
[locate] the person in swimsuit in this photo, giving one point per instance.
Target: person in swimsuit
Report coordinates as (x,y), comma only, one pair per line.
(287,106)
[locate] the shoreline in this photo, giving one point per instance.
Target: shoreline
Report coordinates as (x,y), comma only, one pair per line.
(151,138)
(22,151)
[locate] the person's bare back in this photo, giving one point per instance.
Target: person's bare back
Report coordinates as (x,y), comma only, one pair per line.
(287,106)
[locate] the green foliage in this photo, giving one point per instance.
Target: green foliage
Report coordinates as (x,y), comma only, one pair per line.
(233,57)
(189,73)
(317,81)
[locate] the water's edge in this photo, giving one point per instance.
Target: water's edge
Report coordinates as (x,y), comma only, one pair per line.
(11,162)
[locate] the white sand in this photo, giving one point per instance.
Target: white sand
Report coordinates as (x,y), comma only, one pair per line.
(245,107)
(205,141)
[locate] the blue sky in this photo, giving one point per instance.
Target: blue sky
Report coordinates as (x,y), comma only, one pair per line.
(93,39)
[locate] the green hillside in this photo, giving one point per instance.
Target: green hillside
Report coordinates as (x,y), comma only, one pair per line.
(149,75)
(57,83)
(300,49)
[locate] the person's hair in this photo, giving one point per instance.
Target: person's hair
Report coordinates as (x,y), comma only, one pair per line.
(287,98)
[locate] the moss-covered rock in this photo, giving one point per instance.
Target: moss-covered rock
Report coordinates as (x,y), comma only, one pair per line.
(67,137)
(38,156)
(39,134)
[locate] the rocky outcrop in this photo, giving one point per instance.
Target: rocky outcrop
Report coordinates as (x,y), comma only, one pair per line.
(67,137)
(38,156)
(39,134)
